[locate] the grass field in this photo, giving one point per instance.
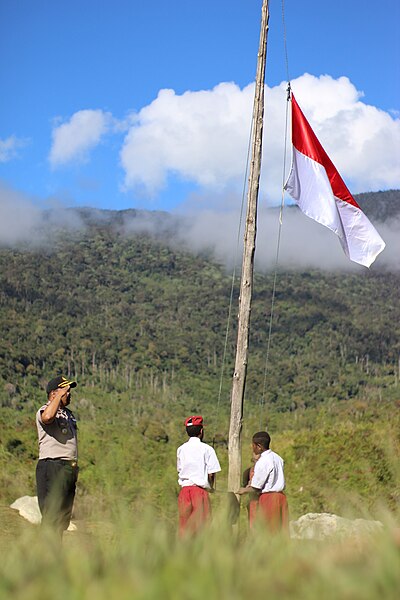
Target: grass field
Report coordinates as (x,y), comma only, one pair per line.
(139,556)
(126,545)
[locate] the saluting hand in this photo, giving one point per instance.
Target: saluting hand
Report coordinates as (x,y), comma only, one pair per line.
(60,394)
(57,397)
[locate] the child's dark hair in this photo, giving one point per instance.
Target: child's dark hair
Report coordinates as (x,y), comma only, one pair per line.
(263,439)
(194,430)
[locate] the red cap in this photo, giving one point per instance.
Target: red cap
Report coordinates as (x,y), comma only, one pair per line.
(195,420)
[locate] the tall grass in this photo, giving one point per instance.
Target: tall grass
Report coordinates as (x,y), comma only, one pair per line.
(126,545)
(137,556)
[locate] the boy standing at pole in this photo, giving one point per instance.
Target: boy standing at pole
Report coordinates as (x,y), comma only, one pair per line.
(197,465)
(252,503)
(269,481)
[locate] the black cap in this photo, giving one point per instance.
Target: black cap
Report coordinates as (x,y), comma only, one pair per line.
(59,382)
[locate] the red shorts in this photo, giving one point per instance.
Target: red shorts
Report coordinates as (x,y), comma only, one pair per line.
(273,509)
(193,507)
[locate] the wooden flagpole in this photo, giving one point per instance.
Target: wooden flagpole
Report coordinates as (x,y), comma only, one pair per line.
(246,286)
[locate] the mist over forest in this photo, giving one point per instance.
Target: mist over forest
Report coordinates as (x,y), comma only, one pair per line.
(217,233)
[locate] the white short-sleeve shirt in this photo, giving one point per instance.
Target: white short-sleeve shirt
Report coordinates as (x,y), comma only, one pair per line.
(268,473)
(195,461)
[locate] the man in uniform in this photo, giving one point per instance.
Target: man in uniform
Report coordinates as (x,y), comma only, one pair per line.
(57,468)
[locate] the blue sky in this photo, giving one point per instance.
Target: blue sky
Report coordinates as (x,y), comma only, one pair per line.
(84,120)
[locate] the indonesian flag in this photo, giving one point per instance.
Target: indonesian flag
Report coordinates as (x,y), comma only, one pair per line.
(321,194)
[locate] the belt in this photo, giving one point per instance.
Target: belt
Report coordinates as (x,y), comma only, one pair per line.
(72,462)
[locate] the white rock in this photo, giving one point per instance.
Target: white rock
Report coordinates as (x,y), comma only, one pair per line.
(28,508)
(319,526)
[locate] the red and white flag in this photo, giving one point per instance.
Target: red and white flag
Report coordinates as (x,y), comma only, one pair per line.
(321,194)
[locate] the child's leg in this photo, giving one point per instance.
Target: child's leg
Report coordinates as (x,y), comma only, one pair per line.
(185,508)
(284,513)
(201,508)
(273,507)
(253,508)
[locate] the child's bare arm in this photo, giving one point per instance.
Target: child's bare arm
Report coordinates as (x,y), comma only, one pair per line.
(211,480)
(248,490)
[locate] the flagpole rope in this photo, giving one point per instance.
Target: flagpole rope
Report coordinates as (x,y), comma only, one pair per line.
(234,274)
(273,296)
(229,318)
(285,41)
(262,401)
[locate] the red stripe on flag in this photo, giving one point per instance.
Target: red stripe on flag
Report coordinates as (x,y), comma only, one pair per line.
(306,142)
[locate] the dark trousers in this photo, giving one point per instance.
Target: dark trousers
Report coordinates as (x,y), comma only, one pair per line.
(56,484)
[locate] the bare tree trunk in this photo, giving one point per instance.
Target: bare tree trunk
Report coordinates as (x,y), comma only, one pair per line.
(246,288)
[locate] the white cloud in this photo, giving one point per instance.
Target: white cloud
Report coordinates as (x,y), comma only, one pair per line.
(203,136)
(73,140)
(9,147)
(304,244)
(30,221)
(19,217)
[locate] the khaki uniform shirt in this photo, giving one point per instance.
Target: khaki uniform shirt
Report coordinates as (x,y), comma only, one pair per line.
(59,438)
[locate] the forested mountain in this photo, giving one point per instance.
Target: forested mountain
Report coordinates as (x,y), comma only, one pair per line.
(118,309)
(380,206)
